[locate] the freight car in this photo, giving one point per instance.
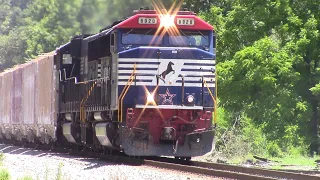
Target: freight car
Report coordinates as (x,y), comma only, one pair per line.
(144,85)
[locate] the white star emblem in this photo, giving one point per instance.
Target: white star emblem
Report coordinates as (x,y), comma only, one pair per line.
(167,97)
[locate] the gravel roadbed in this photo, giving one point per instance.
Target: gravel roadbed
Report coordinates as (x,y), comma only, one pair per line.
(44,165)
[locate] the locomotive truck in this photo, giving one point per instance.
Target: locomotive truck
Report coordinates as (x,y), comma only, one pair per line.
(144,85)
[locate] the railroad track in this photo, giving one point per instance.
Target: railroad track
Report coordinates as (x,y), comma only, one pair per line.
(227,171)
(209,169)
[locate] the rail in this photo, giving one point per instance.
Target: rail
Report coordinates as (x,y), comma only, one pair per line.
(124,92)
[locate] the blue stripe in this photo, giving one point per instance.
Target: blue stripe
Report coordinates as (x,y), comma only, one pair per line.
(137,80)
(198,70)
(139,74)
(198,64)
(133,62)
(209,76)
(150,69)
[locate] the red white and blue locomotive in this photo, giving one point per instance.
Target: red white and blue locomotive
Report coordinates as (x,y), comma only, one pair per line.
(144,85)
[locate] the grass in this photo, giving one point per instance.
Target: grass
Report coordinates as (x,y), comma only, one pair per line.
(299,160)
(295,162)
(288,162)
(4,174)
(59,172)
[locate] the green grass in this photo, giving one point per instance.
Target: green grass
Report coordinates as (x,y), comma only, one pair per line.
(299,160)
(59,172)
(288,162)
(4,174)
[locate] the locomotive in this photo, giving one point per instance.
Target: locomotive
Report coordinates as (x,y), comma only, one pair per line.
(144,85)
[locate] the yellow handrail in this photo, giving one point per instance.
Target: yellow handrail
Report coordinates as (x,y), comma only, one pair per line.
(83,101)
(214,101)
(124,92)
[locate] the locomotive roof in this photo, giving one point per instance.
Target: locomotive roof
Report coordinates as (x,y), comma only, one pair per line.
(133,21)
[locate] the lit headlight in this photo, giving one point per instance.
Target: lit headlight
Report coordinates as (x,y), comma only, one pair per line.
(190,99)
(150,98)
(166,21)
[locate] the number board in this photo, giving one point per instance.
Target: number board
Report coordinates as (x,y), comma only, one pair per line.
(145,20)
(185,21)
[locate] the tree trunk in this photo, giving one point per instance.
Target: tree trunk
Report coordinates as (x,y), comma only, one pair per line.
(314,147)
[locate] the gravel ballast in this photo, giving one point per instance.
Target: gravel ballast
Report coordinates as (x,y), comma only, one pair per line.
(22,162)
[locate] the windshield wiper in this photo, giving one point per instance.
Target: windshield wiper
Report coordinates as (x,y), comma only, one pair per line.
(203,35)
(184,34)
(128,32)
(146,33)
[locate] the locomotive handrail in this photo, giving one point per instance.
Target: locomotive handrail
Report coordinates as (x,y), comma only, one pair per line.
(124,92)
(65,77)
(76,79)
(214,100)
(83,101)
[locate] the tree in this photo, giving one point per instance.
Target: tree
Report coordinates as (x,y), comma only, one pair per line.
(252,34)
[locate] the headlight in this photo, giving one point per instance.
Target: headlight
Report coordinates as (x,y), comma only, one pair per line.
(166,21)
(150,98)
(190,99)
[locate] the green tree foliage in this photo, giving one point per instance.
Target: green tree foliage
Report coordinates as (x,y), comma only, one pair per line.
(269,59)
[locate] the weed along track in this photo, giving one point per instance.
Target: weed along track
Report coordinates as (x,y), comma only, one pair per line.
(209,170)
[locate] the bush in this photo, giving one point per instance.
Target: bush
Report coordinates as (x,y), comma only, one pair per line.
(237,137)
(274,150)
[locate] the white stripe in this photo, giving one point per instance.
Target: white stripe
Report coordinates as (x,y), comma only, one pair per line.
(138,77)
(138,60)
(205,61)
(199,74)
(138,71)
(138,65)
(198,67)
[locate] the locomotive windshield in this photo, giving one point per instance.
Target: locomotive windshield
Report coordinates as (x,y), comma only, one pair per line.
(185,38)
(190,38)
(141,37)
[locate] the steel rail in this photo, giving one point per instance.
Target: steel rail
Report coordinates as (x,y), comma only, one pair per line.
(247,170)
(242,170)
(205,171)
